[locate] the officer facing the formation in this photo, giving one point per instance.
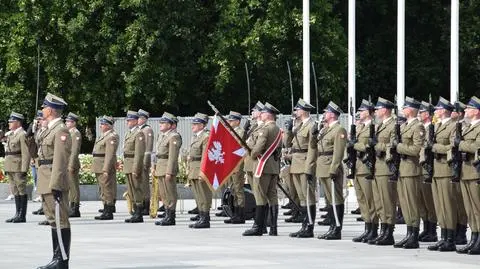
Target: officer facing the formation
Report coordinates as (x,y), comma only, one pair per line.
(17,162)
(364,189)
(74,165)
(168,146)
(53,182)
(470,178)
(104,166)
(238,176)
(443,190)
(412,135)
(266,150)
(147,161)
(201,189)
(427,207)
(133,154)
(298,138)
(327,147)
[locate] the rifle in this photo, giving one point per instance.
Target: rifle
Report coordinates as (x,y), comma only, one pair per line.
(370,156)
(456,161)
(394,162)
(428,163)
(351,159)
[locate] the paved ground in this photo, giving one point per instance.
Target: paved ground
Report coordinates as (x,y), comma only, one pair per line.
(115,244)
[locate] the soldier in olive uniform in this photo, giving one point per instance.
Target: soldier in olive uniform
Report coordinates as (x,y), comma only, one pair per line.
(147,161)
(385,206)
(443,190)
(412,135)
(327,147)
(255,124)
(238,176)
(363,175)
(470,178)
(288,180)
(201,189)
(74,165)
(266,150)
(53,182)
(133,154)
(168,146)
(104,166)
(17,161)
(427,207)
(298,138)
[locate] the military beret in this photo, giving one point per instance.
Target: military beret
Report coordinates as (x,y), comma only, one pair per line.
(444,104)
(200,118)
(303,105)
(143,113)
(107,120)
(72,117)
(167,117)
(384,103)
(54,102)
(334,108)
(474,103)
(366,105)
(132,115)
(269,108)
(234,116)
(411,102)
(14,116)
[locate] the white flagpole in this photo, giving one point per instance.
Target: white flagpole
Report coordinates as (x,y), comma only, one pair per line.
(454,48)
(306,50)
(401,53)
(351,54)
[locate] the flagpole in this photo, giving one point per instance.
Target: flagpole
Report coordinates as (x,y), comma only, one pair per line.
(401,53)
(351,54)
(454,47)
(306,50)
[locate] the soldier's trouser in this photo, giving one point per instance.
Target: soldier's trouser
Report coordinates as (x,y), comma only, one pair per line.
(48,205)
(304,189)
(146,182)
(265,189)
(471,199)
(460,207)
(445,201)
(168,191)
(287,178)
(338,189)
(203,194)
(365,198)
(135,188)
(427,207)
(386,205)
(74,186)
(107,186)
(238,180)
(18,183)
(408,194)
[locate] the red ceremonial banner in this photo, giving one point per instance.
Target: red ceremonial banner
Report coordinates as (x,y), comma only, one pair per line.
(224,153)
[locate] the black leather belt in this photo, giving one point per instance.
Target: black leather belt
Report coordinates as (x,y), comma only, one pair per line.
(381,154)
(325,153)
(13,153)
(128,155)
(45,162)
(299,150)
(466,157)
(439,156)
(195,159)
(98,154)
(162,156)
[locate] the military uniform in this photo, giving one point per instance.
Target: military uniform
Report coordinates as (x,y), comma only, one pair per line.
(133,154)
(147,160)
(412,135)
(265,149)
(470,178)
(251,135)
(53,154)
(167,152)
(74,168)
(17,161)
(104,166)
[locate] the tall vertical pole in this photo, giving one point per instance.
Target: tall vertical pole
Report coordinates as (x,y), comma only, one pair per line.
(401,53)
(351,55)
(306,50)
(454,48)
(38,77)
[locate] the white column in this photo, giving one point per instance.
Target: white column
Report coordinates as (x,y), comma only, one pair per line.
(351,56)
(454,48)
(401,53)
(306,50)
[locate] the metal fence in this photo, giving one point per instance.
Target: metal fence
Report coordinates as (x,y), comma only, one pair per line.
(184,128)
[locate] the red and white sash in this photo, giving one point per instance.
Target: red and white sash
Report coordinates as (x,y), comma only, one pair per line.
(262,160)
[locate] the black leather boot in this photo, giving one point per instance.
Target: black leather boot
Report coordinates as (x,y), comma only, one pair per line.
(161,209)
(169,219)
(221,214)
(356,211)
(196,217)
(449,244)
(57,261)
(238,216)
(328,220)
(159,222)
(308,231)
(466,248)
(387,239)
(412,241)
(17,209)
(74,210)
(368,227)
(383,229)
(400,243)
(39,211)
(288,213)
(203,222)
(431,235)
(461,237)
(23,199)
(336,234)
(372,235)
(288,205)
(54,249)
(107,213)
(475,249)
(137,215)
(259,224)
(193,211)
(273,216)
(443,239)
(426,230)
(332,224)
(296,215)
(146,208)
(323,209)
